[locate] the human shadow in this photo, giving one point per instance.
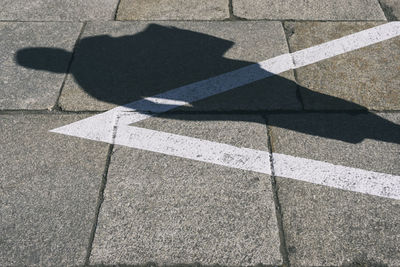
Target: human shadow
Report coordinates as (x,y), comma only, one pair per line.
(121,70)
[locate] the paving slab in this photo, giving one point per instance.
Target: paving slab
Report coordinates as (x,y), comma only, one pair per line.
(173,10)
(170,210)
(120,62)
(367,78)
(308,9)
(30,77)
(49,190)
(57,10)
(391,9)
(326,226)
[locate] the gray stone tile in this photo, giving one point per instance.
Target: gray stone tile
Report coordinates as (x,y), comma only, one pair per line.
(391,9)
(171,210)
(367,78)
(57,10)
(173,10)
(117,63)
(325,226)
(48,193)
(308,9)
(30,74)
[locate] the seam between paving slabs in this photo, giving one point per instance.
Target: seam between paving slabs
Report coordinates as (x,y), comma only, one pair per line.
(232,112)
(47,112)
(278,211)
(100,201)
(116,10)
(288,33)
(101,192)
(57,105)
(232,17)
(236,18)
(387,11)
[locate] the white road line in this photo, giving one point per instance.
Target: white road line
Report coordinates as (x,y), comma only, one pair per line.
(346,44)
(112,126)
(193,148)
(227,81)
(307,170)
(337,176)
(313,171)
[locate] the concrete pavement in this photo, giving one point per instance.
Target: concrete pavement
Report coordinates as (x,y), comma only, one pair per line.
(69,201)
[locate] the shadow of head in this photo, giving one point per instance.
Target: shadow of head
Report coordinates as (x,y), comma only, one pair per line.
(123,69)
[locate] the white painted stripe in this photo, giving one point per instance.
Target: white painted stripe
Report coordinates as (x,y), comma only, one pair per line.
(193,148)
(163,101)
(312,171)
(346,44)
(307,170)
(227,81)
(112,126)
(337,176)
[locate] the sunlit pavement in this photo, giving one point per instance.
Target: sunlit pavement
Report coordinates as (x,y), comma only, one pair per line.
(67,200)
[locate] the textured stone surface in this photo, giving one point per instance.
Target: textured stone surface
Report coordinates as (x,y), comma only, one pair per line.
(391,9)
(309,9)
(57,10)
(48,193)
(326,226)
(170,210)
(32,78)
(117,63)
(365,78)
(173,10)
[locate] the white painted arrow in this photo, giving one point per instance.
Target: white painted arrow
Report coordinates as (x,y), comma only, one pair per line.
(113,126)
